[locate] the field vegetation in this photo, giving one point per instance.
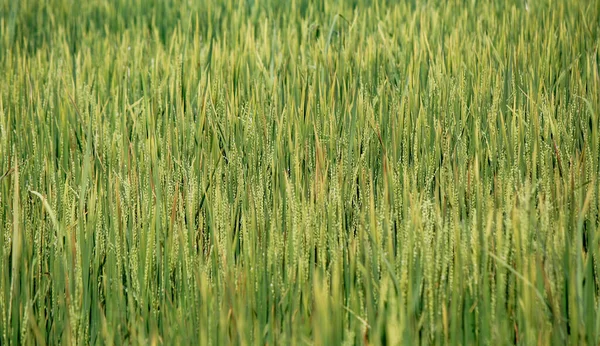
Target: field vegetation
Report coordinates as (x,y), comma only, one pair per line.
(299,172)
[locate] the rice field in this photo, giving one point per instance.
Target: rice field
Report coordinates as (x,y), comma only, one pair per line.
(291,172)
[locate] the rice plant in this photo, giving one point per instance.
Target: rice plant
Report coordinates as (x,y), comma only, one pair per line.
(299,172)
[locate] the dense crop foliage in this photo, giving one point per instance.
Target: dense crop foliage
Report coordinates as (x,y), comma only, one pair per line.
(291,172)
